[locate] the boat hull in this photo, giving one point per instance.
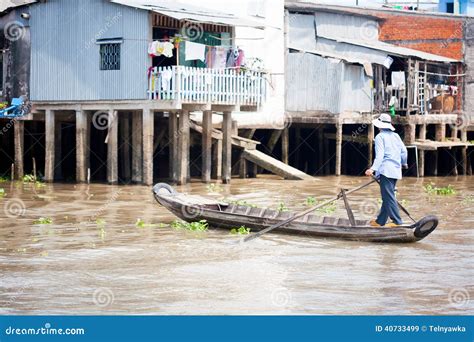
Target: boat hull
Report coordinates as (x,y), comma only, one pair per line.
(228,216)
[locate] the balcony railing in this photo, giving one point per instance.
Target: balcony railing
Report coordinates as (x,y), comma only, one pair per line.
(202,85)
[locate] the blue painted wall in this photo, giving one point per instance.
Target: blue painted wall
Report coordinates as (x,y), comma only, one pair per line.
(65,59)
(466,7)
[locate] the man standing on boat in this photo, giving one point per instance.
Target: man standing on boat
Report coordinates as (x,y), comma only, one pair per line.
(390,156)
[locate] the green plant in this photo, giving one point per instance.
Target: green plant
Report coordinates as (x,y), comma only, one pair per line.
(242,230)
(199,226)
(310,200)
(43,220)
(214,187)
(141,224)
(241,202)
(432,189)
(100,222)
(4,179)
(2,192)
(282,207)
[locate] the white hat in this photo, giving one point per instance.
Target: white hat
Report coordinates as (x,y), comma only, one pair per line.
(383,121)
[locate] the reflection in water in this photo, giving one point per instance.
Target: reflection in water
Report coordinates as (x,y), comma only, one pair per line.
(93,259)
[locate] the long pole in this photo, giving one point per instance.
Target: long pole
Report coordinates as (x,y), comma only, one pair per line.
(303,213)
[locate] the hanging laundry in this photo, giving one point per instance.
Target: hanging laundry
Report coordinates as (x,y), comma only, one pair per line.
(398,79)
(166,76)
(193,51)
(240,60)
(168,49)
(232,57)
(156,48)
(220,57)
(152,48)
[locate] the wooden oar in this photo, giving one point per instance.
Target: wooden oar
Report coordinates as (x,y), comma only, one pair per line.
(303,213)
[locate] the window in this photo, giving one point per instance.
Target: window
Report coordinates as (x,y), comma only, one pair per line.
(110,56)
(449,7)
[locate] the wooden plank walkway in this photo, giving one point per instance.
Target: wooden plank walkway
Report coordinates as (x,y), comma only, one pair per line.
(273,165)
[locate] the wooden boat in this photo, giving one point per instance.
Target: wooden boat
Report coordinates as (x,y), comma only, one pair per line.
(193,208)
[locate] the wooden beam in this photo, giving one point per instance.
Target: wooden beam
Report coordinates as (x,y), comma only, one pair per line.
(19,136)
(137,147)
(206,146)
(112,147)
(82,131)
(338,148)
(227,147)
(148,132)
(183,150)
(49,148)
(421,153)
(370,144)
(284,145)
(173,146)
(273,140)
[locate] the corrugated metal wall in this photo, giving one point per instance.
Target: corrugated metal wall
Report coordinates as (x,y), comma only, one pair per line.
(65,57)
(325,85)
(313,83)
(346,26)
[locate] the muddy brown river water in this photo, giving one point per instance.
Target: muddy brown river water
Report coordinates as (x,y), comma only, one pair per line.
(93,259)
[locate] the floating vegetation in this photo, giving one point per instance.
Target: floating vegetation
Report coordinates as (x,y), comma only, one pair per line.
(282,207)
(32,179)
(329,208)
(43,220)
(214,187)
(200,226)
(242,230)
(2,193)
(241,202)
(432,189)
(141,224)
(102,233)
(4,179)
(100,222)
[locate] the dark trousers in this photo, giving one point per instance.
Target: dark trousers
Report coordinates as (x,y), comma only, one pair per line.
(389,202)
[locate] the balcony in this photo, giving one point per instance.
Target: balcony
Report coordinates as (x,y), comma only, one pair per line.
(203,85)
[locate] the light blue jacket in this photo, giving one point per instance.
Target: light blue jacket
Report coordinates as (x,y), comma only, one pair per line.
(390,154)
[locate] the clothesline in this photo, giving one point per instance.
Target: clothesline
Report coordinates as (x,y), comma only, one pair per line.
(182,40)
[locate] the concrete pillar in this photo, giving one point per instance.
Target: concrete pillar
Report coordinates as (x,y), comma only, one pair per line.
(125,146)
(227,147)
(49,123)
(206,146)
(173,146)
(112,147)
(148,132)
(19,133)
(183,148)
(82,131)
(338,148)
(137,147)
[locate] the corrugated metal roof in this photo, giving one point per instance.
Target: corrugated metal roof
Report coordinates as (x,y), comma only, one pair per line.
(336,55)
(182,11)
(395,50)
(7,4)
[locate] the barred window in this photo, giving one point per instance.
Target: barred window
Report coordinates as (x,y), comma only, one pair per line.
(110,56)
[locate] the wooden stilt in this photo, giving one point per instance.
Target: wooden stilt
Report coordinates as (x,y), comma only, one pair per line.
(49,148)
(284,145)
(338,148)
(319,165)
(137,147)
(243,168)
(81,146)
(173,146)
(440,132)
(227,147)
(183,150)
(410,134)
(435,163)
(217,160)
(298,147)
(88,144)
(112,147)
(58,169)
(275,136)
(19,133)
(370,144)
(454,162)
(148,133)
(465,161)
(206,146)
(421,153)
(125,148)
